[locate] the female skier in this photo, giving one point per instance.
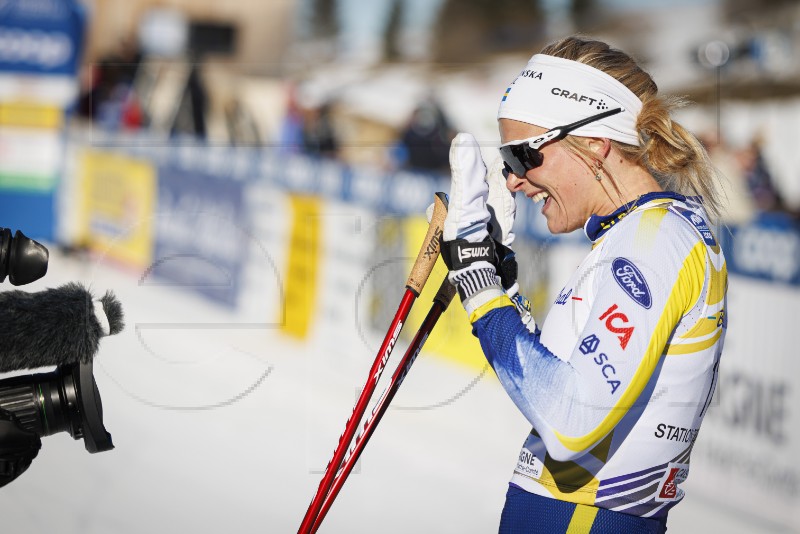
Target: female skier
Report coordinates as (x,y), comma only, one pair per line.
(617,379)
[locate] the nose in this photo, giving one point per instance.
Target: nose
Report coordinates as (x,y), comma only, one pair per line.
(513,182)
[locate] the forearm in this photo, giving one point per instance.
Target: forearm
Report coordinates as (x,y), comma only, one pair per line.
(542,386)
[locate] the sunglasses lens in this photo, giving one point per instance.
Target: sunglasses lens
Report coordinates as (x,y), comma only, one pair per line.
(519,159)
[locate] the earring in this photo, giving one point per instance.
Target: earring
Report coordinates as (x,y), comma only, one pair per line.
(597,167)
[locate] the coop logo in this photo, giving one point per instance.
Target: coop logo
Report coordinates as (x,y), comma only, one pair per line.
(767,252)
(45,50)
(631,280)
(668,489)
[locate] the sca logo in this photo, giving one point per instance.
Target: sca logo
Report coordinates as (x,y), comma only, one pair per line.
(618,323)
(588,346)
(630,279)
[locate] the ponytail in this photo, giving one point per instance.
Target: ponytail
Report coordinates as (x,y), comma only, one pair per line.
(673,155)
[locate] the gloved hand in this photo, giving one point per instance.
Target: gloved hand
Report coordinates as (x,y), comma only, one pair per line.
(503,210)
(478,230)
(467,249)
(18,447)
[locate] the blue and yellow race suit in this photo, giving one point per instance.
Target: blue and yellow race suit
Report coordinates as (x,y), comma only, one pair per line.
(618,379)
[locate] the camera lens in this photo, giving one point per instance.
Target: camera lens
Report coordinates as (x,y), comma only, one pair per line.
(64,400)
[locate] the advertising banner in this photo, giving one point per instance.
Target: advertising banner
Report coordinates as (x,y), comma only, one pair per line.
(202,232)
(41,42)
(768,248)
(118,199)
(41,37)
(745,454)
(302,269)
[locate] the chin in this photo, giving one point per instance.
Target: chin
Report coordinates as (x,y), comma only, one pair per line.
(559,228)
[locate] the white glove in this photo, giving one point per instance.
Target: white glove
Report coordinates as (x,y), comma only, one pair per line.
(499,201)
(479,205)
(467,249)
(467,213)
(503,209)
(501,204)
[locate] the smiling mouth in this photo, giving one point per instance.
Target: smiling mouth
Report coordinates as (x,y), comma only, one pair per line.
(543,195)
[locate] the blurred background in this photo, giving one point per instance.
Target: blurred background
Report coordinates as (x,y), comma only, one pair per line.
(250,177)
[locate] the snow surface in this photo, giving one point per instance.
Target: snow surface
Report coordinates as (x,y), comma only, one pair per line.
(224,427)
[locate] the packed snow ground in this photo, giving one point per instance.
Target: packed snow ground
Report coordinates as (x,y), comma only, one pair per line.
(224,427)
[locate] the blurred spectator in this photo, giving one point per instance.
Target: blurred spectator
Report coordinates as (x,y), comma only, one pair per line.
(318,134)
(290,138)
(739,206)
(758,178)
(425,142)
(108,95)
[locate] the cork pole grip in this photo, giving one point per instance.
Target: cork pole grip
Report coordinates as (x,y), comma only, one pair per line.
(430,247)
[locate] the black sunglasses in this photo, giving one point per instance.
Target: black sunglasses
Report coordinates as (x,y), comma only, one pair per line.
(521,156)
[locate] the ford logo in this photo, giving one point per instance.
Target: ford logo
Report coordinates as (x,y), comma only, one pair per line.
(631,280)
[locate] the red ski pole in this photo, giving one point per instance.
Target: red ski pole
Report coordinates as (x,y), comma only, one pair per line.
(420,272)
(440,303)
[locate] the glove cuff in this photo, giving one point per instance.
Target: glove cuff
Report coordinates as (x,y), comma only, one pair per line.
(476,285)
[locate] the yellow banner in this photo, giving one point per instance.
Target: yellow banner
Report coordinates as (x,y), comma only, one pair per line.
(302,267)
(31,115)
(118,203)
(452,338)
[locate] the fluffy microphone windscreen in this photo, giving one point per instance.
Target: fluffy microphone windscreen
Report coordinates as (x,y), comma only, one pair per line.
(56,326)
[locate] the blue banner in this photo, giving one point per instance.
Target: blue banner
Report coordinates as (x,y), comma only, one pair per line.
(768,248)
(41,36)
(201,232)
(395,193)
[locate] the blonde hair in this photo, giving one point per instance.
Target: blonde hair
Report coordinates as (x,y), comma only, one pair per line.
(673,155)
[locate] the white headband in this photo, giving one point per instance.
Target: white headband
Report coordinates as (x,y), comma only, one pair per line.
(553,91)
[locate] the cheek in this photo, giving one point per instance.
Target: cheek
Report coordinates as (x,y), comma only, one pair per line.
(561,175)
(568,194)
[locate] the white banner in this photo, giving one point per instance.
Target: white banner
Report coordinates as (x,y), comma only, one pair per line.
(745,456)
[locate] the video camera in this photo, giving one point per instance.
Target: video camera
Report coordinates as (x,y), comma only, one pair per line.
(60,327)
